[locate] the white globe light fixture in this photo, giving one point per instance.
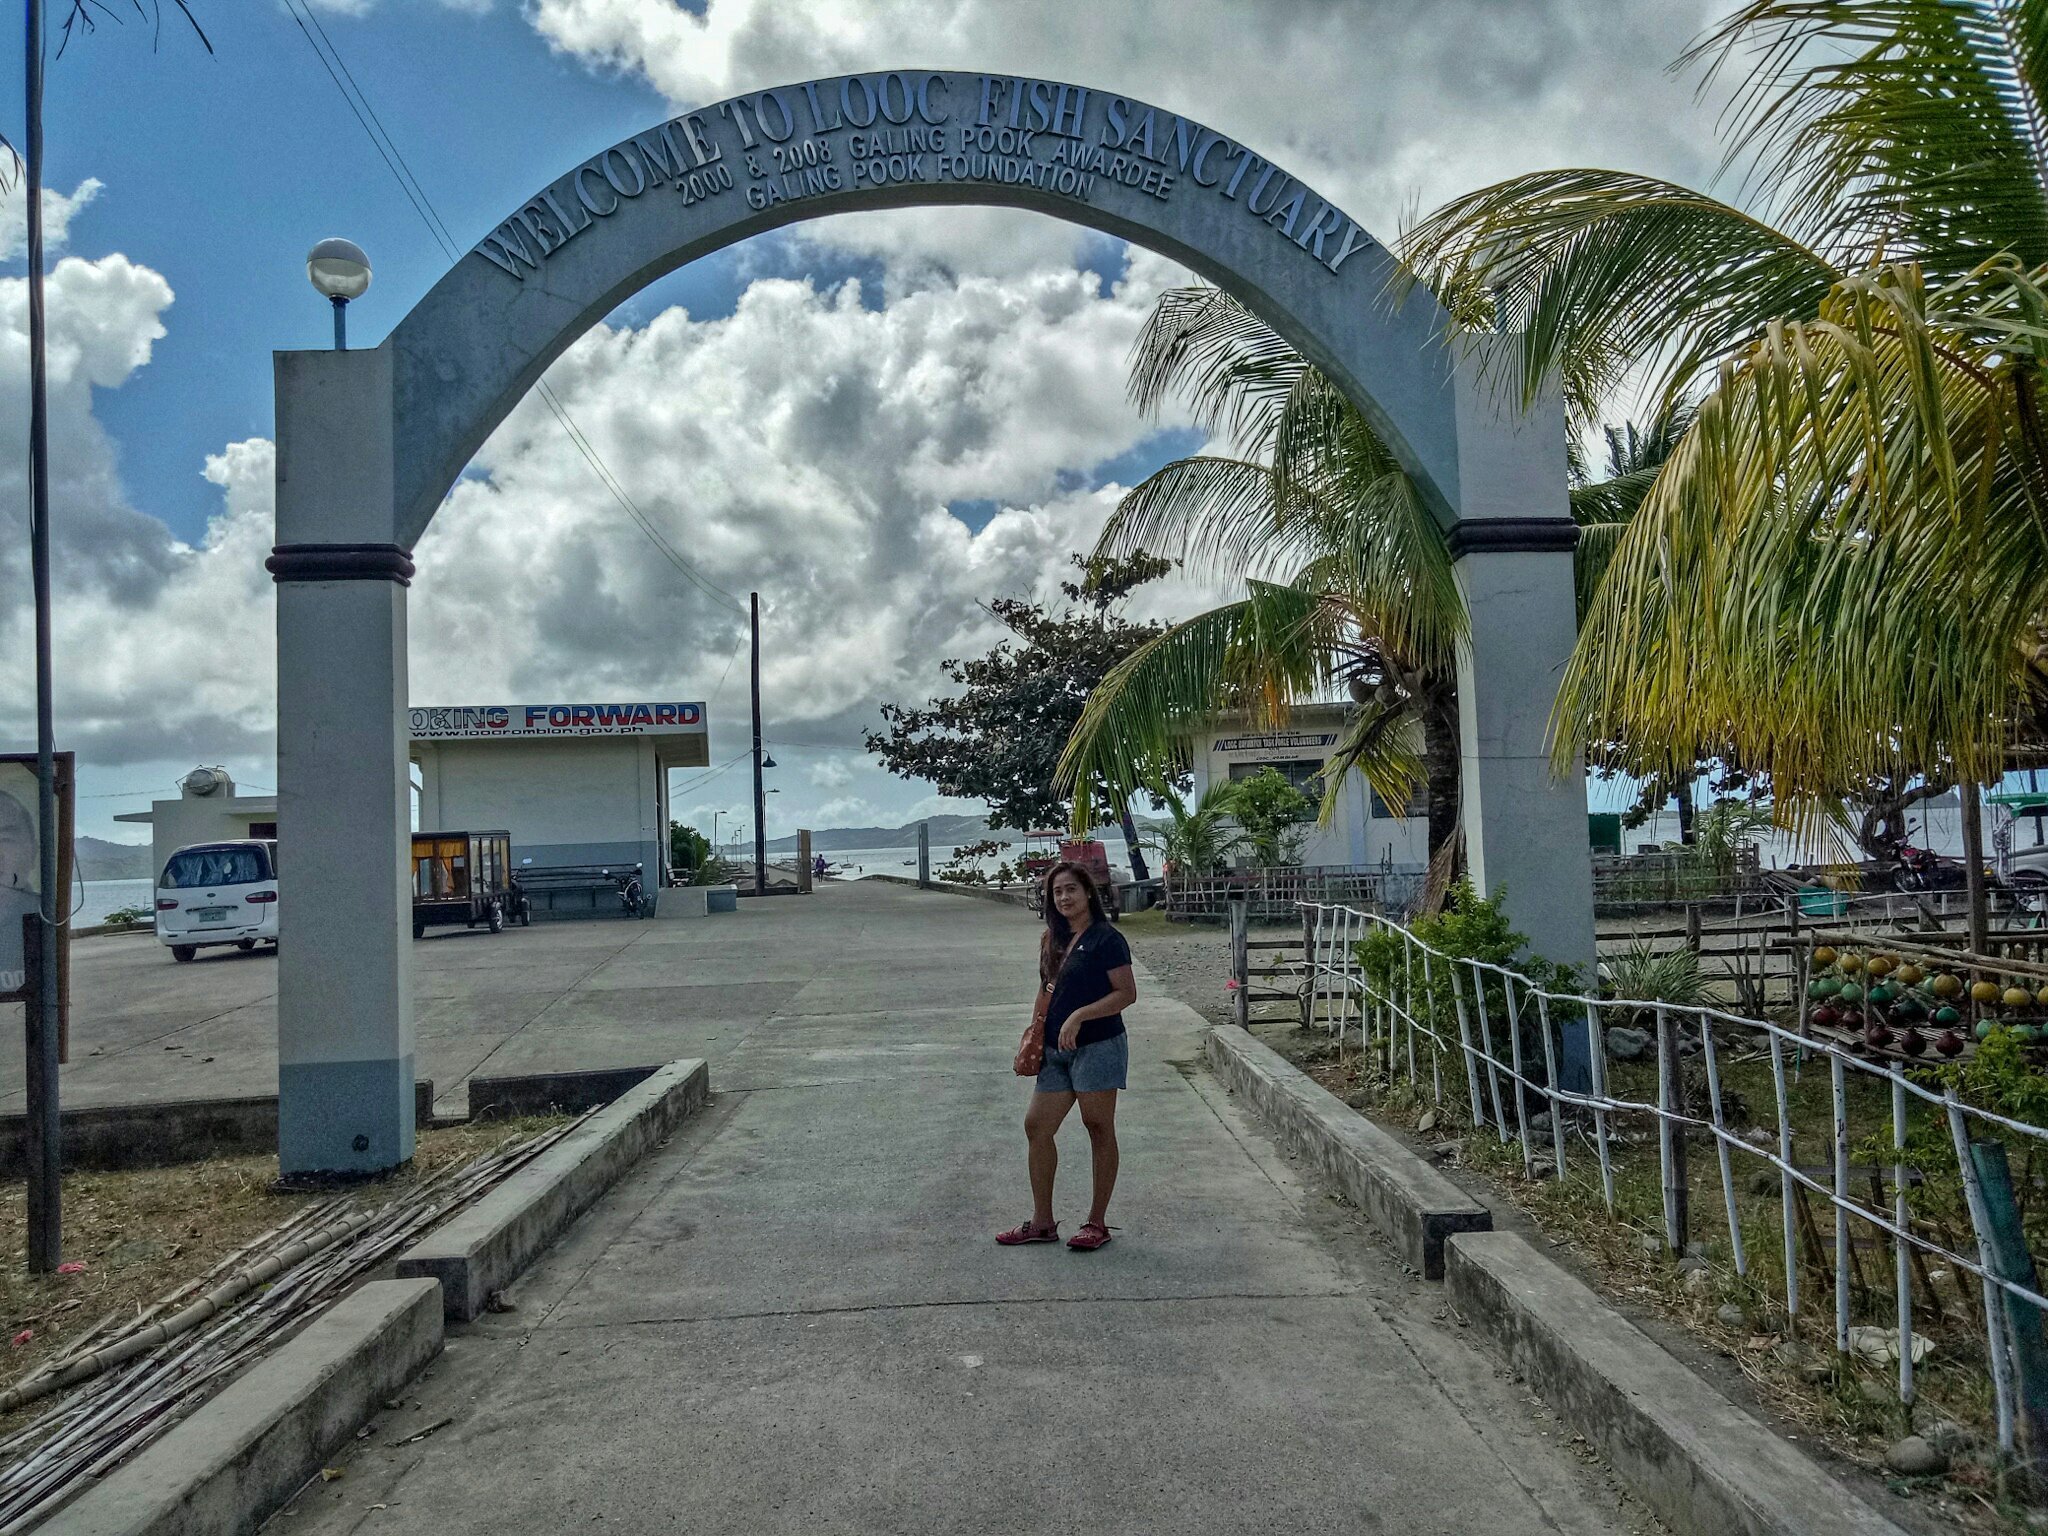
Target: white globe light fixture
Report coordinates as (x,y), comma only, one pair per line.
(339,270)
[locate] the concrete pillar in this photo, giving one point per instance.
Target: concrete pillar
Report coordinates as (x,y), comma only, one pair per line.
(344,1000)
(1525,828)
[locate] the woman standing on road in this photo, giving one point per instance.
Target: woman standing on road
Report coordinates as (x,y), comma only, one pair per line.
(1084,985)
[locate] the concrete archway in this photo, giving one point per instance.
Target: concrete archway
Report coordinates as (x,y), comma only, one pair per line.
(369,443)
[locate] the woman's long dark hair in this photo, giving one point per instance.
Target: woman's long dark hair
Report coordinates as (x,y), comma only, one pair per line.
(1059,933)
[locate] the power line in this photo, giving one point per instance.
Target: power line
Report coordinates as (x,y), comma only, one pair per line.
(416,194)
(706,778)
(735,656)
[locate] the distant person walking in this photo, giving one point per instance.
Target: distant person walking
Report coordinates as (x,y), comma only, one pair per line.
(1077,1047)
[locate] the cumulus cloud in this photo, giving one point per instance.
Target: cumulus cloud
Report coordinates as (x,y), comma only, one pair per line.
(364,7)
(806,445)
(58,211)
(1388,108)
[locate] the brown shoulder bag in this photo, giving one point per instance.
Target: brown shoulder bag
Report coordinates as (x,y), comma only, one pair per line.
(1031,1049)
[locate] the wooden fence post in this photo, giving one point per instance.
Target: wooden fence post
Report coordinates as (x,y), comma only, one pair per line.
(1240,960)
(1308,960)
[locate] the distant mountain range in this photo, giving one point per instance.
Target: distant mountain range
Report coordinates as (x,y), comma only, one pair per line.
(947,832)
(99,859)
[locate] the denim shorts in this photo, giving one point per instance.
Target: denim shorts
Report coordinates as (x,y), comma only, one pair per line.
(1091,1068)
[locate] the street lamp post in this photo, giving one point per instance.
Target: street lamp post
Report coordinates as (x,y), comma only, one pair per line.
(761,758)
(339,270)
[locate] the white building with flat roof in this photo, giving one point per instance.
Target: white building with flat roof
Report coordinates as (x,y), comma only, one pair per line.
(207,810)
(1363,831)
(581,784)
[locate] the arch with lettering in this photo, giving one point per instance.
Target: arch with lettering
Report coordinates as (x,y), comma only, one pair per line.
(369,442)
(708,178)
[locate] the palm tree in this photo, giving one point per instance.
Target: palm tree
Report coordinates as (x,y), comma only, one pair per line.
(1198,839)
(1841,568)
(1349,577)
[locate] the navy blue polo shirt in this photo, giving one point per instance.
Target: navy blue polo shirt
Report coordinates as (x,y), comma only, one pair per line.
(1084,979)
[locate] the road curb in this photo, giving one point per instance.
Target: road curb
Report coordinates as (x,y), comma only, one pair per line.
(1706,1467)
(1398,1190)
(486,1246)
(251,1448)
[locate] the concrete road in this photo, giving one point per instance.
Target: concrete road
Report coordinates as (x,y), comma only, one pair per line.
(559,995)
(792,1318)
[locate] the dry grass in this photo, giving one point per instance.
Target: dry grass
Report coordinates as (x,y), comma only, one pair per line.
(145,1232)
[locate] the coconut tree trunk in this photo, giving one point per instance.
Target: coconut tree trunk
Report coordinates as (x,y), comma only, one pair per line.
(1130,825)
(1973,866)
(1440,761)
(1682,787)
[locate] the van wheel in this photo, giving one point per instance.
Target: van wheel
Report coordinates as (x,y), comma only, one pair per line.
(494,918)
(245,943)
(183,952)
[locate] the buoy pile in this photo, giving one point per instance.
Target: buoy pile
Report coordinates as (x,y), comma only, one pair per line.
(1892,1007)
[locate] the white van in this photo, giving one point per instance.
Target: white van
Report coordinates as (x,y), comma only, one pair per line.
(218,893)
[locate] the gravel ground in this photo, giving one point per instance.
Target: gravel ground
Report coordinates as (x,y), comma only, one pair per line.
(1191,960)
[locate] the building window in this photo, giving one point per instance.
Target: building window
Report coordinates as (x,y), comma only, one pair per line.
(1305,775)
(266,830)
(1381,811)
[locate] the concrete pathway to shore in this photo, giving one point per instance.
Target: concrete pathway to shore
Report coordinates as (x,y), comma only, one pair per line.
(792,1318)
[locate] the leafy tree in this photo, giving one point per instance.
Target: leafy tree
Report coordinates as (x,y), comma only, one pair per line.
(1272,812)
(999,739)
(688,849)
(1348,575)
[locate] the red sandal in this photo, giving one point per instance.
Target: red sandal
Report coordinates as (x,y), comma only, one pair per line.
(1093,1235)
(1029,1232)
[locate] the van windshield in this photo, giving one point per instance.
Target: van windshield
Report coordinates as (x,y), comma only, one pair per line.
(215,866)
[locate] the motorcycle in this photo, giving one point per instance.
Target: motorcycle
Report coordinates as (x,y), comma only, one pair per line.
(1921,870)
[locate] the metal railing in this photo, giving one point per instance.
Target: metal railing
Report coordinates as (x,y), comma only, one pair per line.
(1272,893)
(1403,1024)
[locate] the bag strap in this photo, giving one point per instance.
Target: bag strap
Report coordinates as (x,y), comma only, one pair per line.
(1044,998)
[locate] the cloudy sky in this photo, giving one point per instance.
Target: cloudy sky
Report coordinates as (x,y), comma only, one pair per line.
(879,422)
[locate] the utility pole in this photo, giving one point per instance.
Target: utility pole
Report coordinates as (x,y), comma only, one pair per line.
(760,797)
(45,1225)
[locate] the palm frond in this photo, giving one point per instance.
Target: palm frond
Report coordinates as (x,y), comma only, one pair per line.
(1603,272)
(1591,557)
(1259,655)
(1830,574)
(1227,365)
(1372,537)
(1894,128)
(1383,744)
(1213,515)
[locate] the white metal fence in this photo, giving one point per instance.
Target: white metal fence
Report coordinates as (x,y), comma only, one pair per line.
(1508,1046)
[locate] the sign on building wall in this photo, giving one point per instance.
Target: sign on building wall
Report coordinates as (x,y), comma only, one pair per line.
(529,722)
(1277,744)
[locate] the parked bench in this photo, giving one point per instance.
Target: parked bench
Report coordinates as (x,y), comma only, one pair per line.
(585,890)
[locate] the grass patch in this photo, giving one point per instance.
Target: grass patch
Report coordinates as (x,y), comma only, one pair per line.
(143,1232)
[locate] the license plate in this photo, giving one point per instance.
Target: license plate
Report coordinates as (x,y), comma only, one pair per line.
(209,914)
